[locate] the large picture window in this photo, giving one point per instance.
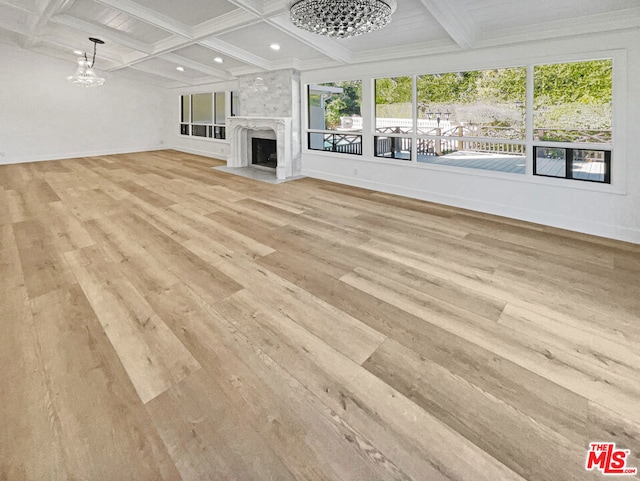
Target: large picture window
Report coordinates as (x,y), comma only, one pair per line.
(394,117)
(473,119)
(553,120)
(335,124)
(203,115)
(185,114)
(470,119)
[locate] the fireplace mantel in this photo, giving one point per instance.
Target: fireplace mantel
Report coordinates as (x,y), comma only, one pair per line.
(239,129)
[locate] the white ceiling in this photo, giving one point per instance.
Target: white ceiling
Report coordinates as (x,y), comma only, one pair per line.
(148,39)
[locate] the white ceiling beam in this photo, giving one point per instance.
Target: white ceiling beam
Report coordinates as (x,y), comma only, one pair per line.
(101,31)
(275,7)
(455,20)
(38,20)
(228,22)
(197,66)
(131,59)
(166,46)
(161,73)
(324,45)
(254,6)
(149,16)
(237,53)
(15,4)
(603,22)
(70,48)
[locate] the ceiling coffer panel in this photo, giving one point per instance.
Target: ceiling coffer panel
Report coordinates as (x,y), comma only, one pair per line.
(156,36)
(191,13)
(121,22)
(258,38)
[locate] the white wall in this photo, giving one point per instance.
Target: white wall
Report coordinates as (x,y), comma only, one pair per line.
(606,210)
(44,117)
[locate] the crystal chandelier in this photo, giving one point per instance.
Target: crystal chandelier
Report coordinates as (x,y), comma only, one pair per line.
(85,76)
(341,18)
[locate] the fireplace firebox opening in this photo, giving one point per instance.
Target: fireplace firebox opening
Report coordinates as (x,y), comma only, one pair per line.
(264,152)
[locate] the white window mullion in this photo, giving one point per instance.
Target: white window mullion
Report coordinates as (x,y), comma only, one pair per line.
(529,121)
(414,136)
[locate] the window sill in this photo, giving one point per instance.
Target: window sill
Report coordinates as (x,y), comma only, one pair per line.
(205,139)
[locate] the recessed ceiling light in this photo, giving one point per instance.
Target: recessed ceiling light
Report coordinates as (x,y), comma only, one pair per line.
(78,52)
(180,69)
(218,60)
(275,46)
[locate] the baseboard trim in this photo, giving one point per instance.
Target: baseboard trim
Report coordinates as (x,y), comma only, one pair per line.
(77,155)
(204,153)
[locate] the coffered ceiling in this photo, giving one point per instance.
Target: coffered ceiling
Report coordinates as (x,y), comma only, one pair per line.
(148,39)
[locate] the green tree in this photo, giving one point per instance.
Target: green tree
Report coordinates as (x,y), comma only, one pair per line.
(566,95)
(345,104)
(393,90)
(574,95)
(502,85)
(448,87)
(584,82)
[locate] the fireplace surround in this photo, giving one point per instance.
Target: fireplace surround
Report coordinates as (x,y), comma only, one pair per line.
(240,131)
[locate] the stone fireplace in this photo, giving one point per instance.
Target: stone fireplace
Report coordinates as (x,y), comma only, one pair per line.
(271,113)
(241,131)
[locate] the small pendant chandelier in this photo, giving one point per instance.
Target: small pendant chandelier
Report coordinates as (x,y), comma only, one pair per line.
(85,76)
(341,18)
(258,86)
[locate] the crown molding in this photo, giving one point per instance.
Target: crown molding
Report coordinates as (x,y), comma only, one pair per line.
(406,51)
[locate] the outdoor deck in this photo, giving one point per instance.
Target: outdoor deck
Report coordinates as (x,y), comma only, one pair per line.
(593,171)
(484,154)
(514,164)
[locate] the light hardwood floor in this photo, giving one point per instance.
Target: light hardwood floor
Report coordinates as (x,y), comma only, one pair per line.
(161,320)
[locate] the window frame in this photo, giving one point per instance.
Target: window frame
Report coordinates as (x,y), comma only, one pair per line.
(569,163)
(215,132)
(404,137)
(618,145)
(328,133)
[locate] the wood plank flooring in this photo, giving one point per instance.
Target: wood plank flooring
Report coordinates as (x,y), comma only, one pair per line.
(161,320)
